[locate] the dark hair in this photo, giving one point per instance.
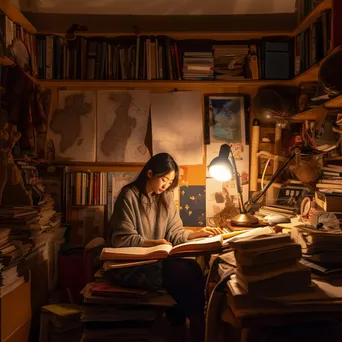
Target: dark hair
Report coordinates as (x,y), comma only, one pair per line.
(160,164)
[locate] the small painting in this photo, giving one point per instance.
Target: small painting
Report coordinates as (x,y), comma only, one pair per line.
(225,119)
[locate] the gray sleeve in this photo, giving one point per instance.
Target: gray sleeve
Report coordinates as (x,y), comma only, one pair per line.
(175,232)
(123,222)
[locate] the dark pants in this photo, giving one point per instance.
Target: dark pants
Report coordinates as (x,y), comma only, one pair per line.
(184,281)
(182,278)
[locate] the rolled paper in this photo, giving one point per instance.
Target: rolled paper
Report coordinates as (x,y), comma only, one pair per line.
(272,195)
(253,186)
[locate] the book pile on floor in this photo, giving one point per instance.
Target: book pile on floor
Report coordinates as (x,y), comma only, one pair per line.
(11,254)
(269,266)
(322,251)
(112,313)
(28,233)
(60,322)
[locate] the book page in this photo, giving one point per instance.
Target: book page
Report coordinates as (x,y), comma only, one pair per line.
(254,233)
(133,253)
(201,244)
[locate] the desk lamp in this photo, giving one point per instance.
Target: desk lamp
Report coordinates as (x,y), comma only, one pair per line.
(223,170)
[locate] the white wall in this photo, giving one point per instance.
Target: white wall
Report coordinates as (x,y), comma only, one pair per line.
(158,7)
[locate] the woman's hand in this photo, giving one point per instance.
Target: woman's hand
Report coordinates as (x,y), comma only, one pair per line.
(151,243)
(205,232)
(162,242)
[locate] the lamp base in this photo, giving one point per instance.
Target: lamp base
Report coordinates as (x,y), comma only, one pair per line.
(244,220)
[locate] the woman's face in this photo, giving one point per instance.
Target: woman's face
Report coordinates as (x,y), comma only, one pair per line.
(158,185)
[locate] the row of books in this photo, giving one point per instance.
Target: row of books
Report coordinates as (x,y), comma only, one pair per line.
(304,7)
(86,188)
(140,58)
(313,44)
(145,58)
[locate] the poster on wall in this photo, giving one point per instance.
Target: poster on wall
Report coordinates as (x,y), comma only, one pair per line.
(122,123)
(222,197)
(71,128)
(177,126)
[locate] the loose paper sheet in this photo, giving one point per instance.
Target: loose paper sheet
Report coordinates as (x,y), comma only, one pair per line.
(72,126)
(122,118)
(222,197)
(177,126)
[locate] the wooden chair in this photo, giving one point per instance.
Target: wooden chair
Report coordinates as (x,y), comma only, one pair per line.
(92,260)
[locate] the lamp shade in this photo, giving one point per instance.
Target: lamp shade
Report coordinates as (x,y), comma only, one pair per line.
(220,168)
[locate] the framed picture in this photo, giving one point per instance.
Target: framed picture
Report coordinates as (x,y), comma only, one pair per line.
(226,119)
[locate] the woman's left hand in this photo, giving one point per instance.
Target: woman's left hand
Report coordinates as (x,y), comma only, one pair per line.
(205,232)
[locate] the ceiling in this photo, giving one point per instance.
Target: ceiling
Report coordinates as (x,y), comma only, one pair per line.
(158,7)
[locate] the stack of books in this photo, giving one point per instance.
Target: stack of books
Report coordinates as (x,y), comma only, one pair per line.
(113,313)
(230,61)
(269,266)
(198,66)
(322,251)
(60,322)
(331,180)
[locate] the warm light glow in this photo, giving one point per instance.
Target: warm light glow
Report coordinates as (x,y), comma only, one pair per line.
(220,172)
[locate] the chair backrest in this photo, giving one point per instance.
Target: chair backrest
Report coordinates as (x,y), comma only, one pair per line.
(91,260)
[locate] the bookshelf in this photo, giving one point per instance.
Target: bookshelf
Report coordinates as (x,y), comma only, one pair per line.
(309,75)
(156,84)
(178,35)
(231,86)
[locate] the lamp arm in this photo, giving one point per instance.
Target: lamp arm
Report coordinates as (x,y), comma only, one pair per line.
(255,199)
(238,185)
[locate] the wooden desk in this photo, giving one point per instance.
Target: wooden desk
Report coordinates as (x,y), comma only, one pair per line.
(256,316)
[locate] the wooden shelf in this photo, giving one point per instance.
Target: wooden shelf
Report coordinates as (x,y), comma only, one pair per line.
(314,114)
(310,74)
(178,35)
(184,84)
(16,16)
(312,16)
(5,61)
(338,158)
(334,103)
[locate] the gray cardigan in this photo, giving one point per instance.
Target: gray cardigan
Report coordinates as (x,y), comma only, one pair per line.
(130,224)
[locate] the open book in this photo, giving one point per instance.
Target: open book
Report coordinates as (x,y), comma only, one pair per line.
(162,251)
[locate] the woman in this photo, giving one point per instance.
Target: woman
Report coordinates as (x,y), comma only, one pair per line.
(145,215)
